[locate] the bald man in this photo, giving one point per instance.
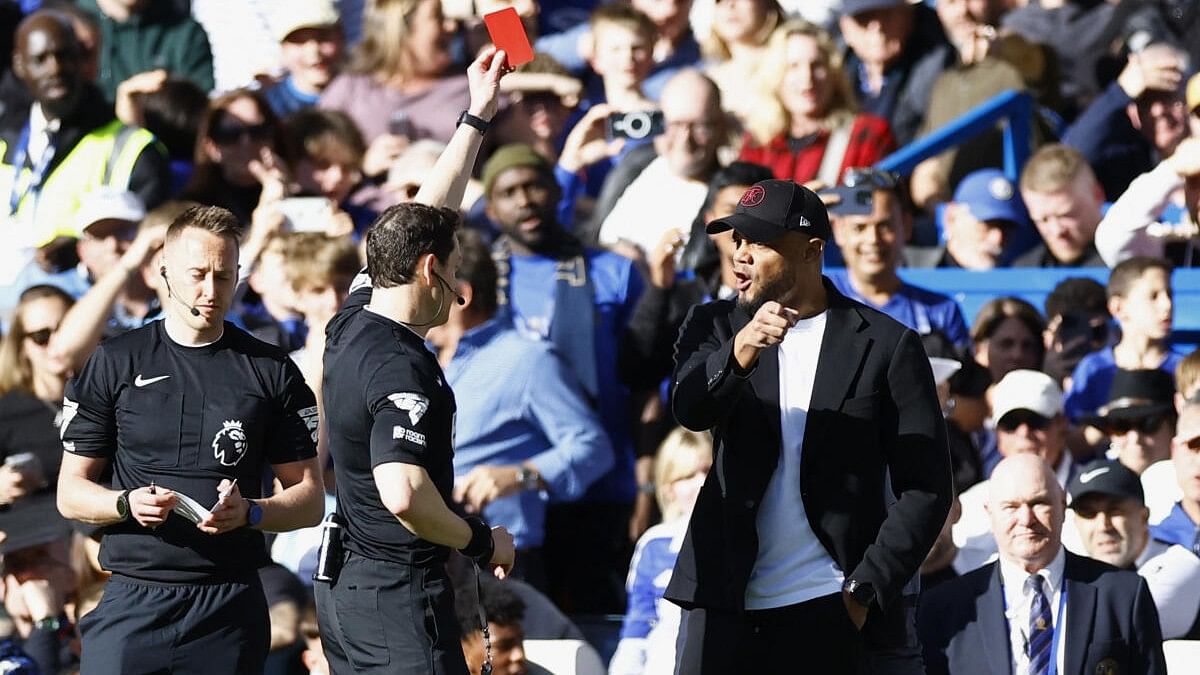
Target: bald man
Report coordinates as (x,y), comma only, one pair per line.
(67,143)
(1055,611)
(661,186)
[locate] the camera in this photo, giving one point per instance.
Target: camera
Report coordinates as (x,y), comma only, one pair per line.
(635,125)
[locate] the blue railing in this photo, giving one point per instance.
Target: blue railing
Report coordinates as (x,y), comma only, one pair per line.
(1014,106)
(974,289)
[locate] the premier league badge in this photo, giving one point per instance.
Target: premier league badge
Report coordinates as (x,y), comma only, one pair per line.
(229,445)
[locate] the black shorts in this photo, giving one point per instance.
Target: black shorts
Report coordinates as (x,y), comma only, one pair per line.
(146,627)
(384,617)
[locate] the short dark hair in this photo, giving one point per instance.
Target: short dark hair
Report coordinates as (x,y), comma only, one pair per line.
(737,173)
(402,234)
(213,219)
(173,114)
(1123,276)
(478,269)
(501,604)
(321,134)
(1076,294)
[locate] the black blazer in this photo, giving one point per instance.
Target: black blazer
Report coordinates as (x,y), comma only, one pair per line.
(1112,625)
(874,411)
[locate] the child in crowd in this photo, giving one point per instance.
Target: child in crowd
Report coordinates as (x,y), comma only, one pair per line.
(1140,299)
(622,55)
(319,270)
(311,46)
(326,151)
(651,624)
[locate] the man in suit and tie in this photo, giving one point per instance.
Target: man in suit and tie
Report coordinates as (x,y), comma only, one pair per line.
(831,476)
(1039,609)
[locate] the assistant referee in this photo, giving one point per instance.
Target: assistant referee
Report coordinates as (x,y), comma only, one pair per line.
(390,420)
(188,406)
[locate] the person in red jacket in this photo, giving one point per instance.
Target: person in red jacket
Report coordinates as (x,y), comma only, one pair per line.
(805,127)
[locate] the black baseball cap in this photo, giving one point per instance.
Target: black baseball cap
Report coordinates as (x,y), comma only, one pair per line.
(770,209)
(1106,477)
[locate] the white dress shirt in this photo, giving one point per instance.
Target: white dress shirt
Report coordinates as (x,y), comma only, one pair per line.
(1018,600)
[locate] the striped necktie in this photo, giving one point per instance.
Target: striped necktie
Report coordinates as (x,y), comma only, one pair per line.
(1041,628)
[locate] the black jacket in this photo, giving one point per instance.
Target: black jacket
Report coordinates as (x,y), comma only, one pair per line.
(1112,625)
(874,412)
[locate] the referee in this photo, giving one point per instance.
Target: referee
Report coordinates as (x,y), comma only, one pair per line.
(187,408)
(390,413)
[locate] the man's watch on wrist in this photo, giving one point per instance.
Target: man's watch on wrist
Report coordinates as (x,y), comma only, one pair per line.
(123,505)
(253,513)
(477,123)
(528,478)
(860,591)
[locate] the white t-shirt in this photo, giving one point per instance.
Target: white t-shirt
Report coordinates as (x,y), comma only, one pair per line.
(792,565)
(654,203)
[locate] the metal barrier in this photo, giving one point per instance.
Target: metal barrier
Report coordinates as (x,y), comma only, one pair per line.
(1014,106)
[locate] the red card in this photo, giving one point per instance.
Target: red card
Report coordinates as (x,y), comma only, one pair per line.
(508,33)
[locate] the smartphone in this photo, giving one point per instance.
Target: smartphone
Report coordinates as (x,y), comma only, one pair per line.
(635,125)
(508,33)
(853,201)
(306,214)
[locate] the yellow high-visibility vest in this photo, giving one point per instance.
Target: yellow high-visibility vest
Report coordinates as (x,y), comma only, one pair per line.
(103,158)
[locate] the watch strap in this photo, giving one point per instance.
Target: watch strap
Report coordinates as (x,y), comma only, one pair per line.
(477,123)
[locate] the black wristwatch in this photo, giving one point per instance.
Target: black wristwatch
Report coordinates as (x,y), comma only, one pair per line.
(862,592)
(123,505)
(477,123)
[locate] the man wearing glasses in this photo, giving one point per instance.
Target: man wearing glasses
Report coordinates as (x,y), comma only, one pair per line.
(870,226)
(1139,418)
(1027,406)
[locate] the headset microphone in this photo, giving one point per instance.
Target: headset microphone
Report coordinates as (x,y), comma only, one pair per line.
(163,272)
(457,298)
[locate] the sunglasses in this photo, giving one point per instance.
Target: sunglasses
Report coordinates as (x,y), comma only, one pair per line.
(40,337)
(1145,425)
(1013,421)
(228,134)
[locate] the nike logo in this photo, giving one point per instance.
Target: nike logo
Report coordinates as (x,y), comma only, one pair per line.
(1087,476)
(140,382)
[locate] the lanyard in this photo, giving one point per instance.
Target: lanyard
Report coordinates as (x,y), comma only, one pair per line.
(20,159)
(1058,628)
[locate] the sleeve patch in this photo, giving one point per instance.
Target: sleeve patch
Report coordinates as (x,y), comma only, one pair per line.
(415,404)
(310,417)
(70,410)
(400,433)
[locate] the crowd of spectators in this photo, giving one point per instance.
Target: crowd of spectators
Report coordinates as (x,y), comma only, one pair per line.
(583,248)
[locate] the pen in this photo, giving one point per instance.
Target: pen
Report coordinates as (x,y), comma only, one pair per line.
(152,488)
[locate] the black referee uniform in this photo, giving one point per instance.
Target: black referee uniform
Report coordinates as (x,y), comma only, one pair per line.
(184,418)
(391,609)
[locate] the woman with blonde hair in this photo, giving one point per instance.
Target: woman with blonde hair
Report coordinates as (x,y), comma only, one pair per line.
(398,87)
(803,123)
(650,626)
(735,47)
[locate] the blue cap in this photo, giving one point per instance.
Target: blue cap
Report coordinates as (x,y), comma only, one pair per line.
(990,195)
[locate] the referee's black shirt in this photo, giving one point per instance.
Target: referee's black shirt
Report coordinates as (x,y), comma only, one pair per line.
(385,401)
(185,418)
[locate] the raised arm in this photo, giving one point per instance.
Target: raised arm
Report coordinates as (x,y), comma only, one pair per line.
(447,181)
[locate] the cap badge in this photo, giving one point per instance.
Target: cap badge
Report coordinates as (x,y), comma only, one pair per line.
(753,196)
